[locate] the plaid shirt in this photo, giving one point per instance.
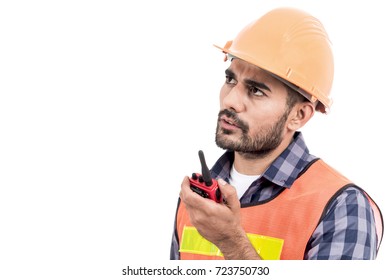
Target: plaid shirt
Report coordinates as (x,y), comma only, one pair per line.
(347,230)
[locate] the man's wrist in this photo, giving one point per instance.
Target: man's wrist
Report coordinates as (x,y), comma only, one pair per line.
(238,247)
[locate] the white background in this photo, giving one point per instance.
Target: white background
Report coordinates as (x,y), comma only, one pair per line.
(104,105)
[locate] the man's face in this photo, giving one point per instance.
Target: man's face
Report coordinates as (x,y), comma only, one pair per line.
(253,113)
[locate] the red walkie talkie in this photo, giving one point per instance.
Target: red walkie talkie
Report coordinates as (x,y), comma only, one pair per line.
(203,184)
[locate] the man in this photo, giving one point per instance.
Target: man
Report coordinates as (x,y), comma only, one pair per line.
(280,202)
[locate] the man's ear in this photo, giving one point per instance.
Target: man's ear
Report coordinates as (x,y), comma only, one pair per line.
(300,115)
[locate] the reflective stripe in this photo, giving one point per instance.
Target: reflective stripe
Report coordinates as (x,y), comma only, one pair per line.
(269,248)
(194,243)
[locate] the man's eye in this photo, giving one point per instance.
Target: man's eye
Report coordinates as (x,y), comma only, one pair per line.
(256,92)
(230,80)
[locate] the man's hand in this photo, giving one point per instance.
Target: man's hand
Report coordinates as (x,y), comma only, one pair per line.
(219,223)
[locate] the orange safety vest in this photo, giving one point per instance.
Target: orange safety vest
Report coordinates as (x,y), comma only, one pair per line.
(281,227)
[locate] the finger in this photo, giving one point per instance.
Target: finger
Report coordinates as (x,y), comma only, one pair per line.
(185,186)
(189,198)
(229,193)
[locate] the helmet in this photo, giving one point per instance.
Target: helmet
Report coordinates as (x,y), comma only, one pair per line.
(293,46)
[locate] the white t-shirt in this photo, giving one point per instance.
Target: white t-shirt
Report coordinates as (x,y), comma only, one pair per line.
(241,181)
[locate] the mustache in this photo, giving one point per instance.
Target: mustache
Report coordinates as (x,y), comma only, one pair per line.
(237,121)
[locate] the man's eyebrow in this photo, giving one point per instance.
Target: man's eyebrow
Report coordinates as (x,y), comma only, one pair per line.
(230,73)
(249,82)
(257,84)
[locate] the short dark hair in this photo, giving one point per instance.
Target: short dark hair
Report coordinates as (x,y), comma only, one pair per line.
(293,97)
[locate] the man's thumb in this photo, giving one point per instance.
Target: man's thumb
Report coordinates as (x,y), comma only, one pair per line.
(229,194)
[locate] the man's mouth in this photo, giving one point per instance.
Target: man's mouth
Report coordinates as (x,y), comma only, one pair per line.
(228,120)
(228,124)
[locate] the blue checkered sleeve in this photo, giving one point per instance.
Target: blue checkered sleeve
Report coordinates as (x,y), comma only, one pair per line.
(347,230)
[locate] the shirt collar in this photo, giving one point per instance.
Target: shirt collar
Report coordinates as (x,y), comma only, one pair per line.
(282,172)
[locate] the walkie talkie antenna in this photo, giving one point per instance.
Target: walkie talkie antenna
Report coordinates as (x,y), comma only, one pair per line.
(205,170)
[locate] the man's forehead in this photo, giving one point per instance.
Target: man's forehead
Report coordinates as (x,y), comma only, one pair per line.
(250,71)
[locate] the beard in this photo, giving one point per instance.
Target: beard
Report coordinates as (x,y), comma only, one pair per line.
(265,141)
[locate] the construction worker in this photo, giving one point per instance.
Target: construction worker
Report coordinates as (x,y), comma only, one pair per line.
(279,201)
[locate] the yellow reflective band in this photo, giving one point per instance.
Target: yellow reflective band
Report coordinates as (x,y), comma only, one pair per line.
(194,243)
(269,248)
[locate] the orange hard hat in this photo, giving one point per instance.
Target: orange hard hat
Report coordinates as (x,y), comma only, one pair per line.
(293,46)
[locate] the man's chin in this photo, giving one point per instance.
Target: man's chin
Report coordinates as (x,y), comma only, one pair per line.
(226,141)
